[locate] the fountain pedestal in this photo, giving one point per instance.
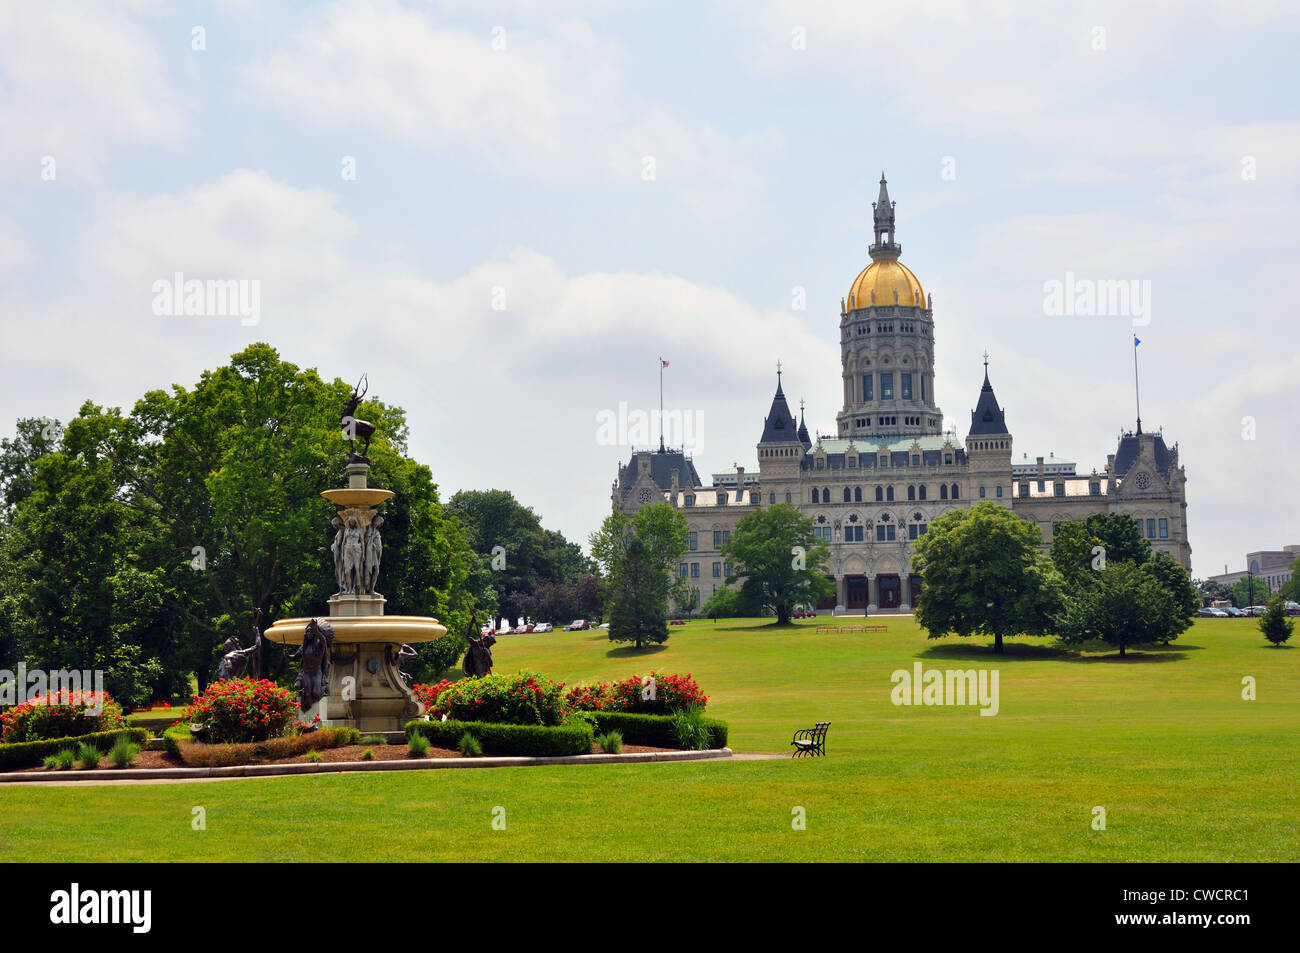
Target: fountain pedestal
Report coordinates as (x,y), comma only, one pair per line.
(366,688)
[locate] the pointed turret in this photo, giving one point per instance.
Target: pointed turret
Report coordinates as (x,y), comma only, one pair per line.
(803,430)
(779,426)
(987,417)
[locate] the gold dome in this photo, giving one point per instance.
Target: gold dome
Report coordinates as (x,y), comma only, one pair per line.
(884,277)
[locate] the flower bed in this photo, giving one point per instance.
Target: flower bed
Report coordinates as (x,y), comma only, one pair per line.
(525,698)
(223,755)
(237,710)
(61,715)
(666,694)
(428,695)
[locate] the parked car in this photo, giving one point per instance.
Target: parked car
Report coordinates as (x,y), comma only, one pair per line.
(1212,614)
(577,625)
(670,622)
(1235,612)
(543,627)
(605,625)
(1292,608)
(1254,610)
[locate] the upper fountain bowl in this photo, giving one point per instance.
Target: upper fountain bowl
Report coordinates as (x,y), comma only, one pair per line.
(359,496)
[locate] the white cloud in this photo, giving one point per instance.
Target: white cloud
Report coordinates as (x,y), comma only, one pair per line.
(551,103)
(495,397)
(76,81)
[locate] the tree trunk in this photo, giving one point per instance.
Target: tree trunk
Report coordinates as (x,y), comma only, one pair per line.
(997,643)
(1121,650)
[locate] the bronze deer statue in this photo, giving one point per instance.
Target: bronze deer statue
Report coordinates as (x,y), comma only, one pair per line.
(354,427)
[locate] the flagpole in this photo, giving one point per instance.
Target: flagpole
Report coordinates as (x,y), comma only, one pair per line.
(661,403)
(1137,394)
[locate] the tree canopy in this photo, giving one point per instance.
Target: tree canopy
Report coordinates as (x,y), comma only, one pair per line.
(155,535)
(778,559)
(984,575)
(638,556)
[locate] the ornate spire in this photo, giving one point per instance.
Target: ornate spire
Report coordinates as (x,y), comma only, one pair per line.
(883,218)
(803,428)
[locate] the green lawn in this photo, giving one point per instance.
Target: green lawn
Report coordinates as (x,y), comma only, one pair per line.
(1185,769)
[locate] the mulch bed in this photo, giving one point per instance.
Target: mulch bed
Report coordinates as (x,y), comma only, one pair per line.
(381,752)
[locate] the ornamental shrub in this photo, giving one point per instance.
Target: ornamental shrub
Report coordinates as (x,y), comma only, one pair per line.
(656,731)
(428,695)
(124,753)
(417,746)
(63,714)
(598,697)
(524,698)
(667,693)
(89,756)
(691,729)
(241,709)
(544,741)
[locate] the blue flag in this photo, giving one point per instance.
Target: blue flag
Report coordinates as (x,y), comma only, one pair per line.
(1136,341)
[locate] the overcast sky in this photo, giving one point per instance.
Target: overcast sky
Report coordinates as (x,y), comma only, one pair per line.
(506,213)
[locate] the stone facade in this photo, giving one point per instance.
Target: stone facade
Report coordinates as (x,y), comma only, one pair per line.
(873,489)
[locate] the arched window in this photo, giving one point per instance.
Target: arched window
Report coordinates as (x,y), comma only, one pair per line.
(826,494)
(847,497)
(816,496)
(889,494)
(921,491)
(954,491)
(943,491)
(911,492)
(857,494)
(880,495)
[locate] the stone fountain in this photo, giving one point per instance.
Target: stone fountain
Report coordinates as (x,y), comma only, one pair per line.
(361,684)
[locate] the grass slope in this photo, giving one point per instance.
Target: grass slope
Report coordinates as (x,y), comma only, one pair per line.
(1185,769)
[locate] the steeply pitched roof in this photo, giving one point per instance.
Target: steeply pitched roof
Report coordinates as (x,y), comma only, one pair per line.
(779,427)
(661,469)
(987,417)
(1130,446)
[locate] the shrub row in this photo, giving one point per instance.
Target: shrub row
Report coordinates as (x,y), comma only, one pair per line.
(539,741)
(290,746)
(26,754)
(654,731)
(63,714)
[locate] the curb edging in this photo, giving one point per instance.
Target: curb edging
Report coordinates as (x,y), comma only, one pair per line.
(343,767)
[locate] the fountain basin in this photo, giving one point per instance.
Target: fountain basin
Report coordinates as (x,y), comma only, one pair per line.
(358,496)
(389,629)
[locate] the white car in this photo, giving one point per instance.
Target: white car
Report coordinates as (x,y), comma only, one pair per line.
(543,627)
(603,625)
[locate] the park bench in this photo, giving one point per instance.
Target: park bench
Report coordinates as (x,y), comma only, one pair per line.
(810,742)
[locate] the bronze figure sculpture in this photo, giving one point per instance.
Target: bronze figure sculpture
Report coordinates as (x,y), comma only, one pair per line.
(312,683)
(478,660)
(354,427)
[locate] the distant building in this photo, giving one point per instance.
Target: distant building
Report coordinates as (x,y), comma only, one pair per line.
(1273,566)
(874,487)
